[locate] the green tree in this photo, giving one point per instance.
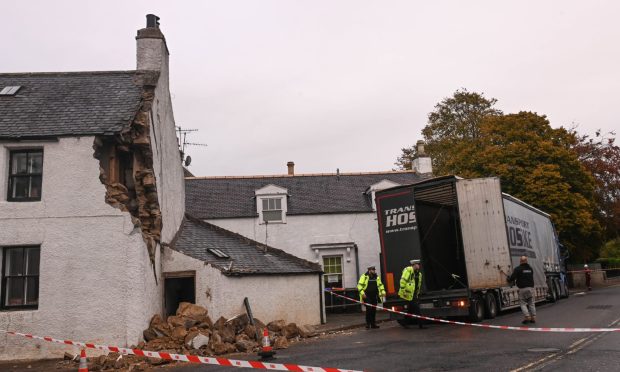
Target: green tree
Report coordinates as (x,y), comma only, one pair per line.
(468,137)
(536,163)
(452,128)
(405,159)
(611,249)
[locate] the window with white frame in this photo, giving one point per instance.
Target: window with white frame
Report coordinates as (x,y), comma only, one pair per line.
(20,277)
(272,209)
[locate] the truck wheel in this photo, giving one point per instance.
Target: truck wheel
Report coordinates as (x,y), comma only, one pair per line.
(476,310)
(490,306)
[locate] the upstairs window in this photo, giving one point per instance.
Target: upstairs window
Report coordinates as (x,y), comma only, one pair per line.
(271,204)
(272,209)
(25,175)
(20,277)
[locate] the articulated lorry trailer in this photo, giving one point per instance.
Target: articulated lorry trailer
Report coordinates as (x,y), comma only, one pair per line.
(469,236)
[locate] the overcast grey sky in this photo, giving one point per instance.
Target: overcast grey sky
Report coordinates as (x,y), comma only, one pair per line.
(334,84)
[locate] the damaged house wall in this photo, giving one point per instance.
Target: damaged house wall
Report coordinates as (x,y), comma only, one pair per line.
(141,166)
(167,166)
(142,172)
(94,267)
(126,169)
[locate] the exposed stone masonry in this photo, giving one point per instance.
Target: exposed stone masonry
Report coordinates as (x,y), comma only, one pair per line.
(138,193)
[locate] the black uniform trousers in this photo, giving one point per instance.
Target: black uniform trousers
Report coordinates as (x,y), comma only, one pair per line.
(413,307)
(371,312)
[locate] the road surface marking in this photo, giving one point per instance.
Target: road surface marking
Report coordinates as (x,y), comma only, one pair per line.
(572,349)
(577,342)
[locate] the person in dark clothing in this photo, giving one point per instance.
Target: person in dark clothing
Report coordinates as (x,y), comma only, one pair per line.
(371,291)
(588,273)
(524,276)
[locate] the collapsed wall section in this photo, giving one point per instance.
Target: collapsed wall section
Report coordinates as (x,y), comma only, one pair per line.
(126,168)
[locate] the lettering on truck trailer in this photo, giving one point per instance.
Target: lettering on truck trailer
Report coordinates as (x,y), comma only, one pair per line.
(520,237)
(400,217)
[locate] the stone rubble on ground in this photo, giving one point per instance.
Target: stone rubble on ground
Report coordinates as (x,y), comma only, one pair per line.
(191,331)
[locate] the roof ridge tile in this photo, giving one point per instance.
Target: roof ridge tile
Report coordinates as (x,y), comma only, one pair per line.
(301,175)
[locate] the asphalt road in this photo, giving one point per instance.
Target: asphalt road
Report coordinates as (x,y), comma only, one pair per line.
(462,348)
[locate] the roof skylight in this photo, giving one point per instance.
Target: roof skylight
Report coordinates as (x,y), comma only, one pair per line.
(217,253)
(9,90)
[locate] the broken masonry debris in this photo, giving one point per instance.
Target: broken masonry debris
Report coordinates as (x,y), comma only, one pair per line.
(191,331)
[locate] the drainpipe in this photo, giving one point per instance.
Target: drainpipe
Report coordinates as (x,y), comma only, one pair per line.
(357,262)
(321,294)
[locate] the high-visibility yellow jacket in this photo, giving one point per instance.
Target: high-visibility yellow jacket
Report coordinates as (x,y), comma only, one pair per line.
(362,284)
(408,288)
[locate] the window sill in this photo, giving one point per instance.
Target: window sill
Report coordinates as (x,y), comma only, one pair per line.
(18,308)
(272,223)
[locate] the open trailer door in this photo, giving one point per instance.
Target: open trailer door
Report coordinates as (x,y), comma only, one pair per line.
(398,233)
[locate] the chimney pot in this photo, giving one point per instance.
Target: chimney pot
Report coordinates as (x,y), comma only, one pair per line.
(152,21)
(420,148)
(291,168)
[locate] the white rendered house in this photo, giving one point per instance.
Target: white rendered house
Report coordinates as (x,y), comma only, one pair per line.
(91,185)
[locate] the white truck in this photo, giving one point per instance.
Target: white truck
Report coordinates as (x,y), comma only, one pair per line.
(469,237)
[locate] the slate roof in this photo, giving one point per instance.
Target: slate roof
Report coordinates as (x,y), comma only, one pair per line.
(248,257)
(229,197)
(68,103)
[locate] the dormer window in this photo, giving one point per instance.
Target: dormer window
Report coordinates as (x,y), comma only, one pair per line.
(271,204)
(381,185)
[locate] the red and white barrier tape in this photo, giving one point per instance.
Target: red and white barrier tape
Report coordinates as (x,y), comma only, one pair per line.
(187,358)
(531,329)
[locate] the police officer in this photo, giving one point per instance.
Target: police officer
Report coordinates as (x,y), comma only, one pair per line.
(524,276)
(410,287)
(371,291)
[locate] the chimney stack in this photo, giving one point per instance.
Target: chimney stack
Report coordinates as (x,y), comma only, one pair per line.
(152,51)
(291,168)
(422,162)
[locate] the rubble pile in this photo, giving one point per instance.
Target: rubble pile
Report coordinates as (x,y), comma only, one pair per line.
(191,331)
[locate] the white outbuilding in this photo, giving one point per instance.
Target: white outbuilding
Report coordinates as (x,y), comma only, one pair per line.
(218,269)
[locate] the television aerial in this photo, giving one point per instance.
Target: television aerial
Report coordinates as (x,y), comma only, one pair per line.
(182,140)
